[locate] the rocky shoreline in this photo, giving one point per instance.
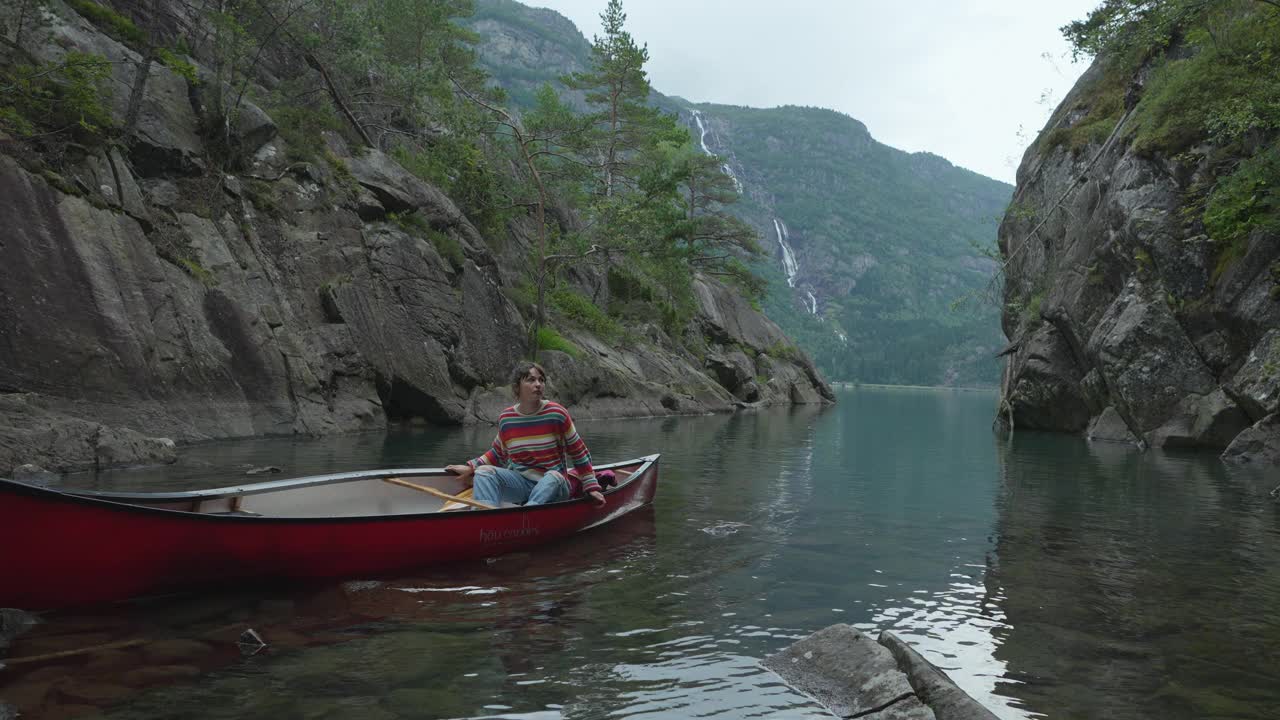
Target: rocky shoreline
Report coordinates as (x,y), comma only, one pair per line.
(152,298)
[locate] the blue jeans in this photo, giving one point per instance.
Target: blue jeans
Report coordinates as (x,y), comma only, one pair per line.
(495,485)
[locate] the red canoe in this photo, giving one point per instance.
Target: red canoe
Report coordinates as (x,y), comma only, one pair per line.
(75,547)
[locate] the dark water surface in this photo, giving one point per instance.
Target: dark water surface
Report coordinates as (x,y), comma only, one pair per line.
(1049,576)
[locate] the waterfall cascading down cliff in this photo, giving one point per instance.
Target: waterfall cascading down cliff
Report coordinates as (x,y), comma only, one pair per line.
(702,140)
(789,263)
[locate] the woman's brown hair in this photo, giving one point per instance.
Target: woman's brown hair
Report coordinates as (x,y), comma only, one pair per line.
(524,370)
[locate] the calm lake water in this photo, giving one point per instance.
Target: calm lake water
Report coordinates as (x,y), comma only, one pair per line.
(1049,576)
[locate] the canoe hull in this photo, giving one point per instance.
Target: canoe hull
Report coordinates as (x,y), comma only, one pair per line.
(59,549)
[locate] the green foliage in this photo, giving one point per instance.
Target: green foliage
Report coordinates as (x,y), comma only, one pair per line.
(70,95)
(460,167)
(415,224)
(261,194)
(300,126)
(1222,85)
(1246,199)
(549,339)
(111,22)
(783,351)
(13,121)
(579,309)
(1103,104)
(197,271)
(524,295)
(618,87)
(1223,82)
(178,64)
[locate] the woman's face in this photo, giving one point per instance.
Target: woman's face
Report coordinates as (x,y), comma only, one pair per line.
(531,387)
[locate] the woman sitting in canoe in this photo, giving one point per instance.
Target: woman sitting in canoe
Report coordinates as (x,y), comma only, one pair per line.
(536,437)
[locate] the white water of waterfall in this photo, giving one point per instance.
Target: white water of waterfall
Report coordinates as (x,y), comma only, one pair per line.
(813,303)
(702,140)
(788,257)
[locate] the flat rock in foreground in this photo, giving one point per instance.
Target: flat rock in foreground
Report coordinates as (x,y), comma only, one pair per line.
(857,677)
(850,674)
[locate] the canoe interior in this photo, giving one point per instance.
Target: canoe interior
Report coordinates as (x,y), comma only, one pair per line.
(365,494)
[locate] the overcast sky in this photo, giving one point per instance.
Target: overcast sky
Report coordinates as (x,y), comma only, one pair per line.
(971,81)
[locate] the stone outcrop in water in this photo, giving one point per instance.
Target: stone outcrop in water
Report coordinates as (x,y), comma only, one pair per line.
(145,297)
(1126,322)
(855,676)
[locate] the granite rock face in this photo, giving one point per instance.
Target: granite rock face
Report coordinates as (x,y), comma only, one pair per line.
(1123,323)
(146,300)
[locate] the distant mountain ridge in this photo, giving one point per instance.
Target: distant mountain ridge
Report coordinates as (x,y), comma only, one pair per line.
(871,246)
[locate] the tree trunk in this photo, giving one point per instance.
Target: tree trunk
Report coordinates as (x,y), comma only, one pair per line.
(137,93)
(334,93)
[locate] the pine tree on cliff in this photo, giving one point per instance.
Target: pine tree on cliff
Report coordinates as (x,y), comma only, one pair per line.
(618,85)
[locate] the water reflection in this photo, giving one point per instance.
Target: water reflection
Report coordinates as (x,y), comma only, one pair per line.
(1136,585)
(1050,577)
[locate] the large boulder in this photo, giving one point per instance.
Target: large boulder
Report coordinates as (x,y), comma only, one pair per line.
(1259,445)
(1256,385)
(1046,393)
(49,438)
(1149,363)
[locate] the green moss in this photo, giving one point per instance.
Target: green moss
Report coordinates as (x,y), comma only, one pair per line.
(111,22)
(59,182)
(549,339)
(197,271)
(783,351)
(178,64)
(261,195)
(1103,105)
(448,247)
(342,171)
(1228,255)
(1029,314)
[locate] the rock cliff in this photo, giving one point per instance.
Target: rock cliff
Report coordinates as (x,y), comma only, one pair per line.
(145,293)
(1126,320)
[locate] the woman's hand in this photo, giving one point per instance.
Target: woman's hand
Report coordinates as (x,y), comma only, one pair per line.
(597,497)
(464,472)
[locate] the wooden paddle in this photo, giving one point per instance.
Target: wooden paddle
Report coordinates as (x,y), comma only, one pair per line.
(439,493)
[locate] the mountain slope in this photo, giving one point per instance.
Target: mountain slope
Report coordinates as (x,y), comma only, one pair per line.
(884,242)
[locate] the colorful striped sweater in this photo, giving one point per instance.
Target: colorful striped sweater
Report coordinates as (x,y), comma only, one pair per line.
(540,443)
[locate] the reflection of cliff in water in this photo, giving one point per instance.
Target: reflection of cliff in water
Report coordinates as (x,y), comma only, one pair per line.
(1135,585)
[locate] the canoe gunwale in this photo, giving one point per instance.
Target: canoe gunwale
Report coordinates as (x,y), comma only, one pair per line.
(137,501)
